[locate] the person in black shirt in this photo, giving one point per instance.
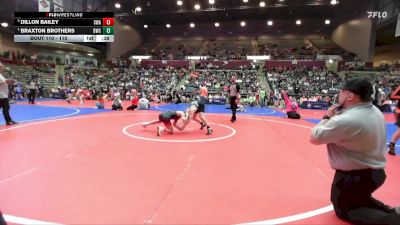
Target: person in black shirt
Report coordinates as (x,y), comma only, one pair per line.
(234,97)
(32,92)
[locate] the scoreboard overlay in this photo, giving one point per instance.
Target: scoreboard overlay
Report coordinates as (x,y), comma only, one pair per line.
(63,27)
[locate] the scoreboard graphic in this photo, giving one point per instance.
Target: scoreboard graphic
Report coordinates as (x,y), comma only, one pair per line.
(63,27)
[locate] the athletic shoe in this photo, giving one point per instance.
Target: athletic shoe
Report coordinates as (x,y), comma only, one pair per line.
(392,149)
(159,130)
(202,125)
(11,122)
(209,131)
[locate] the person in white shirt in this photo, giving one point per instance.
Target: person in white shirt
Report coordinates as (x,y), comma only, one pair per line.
(144,104)
(4,102)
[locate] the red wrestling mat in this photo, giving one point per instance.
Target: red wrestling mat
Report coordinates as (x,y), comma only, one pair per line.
(107,169)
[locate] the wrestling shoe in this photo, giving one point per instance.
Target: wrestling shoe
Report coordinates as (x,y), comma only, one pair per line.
(392,149)
(159,131)
(209,131)
(202,125)
(12,122)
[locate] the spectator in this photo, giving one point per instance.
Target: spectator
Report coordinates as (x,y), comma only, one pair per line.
(100,104)
(135,101)
(144,104)
(291,106)
(117,104)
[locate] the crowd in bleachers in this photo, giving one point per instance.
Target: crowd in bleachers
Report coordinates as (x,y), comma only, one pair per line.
(318,85)
(236,49)
(227,49)
(214,49)
(175,50)
(287,49)
(217,82)
(303,80)
(119,76)
(46,60)
(152,83)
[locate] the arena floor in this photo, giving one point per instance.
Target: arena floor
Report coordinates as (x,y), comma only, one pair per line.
(74,164)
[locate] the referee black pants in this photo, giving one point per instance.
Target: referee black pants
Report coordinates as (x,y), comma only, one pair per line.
(31,96)
(2,220)
(5,105)
(351,196)
(232,101)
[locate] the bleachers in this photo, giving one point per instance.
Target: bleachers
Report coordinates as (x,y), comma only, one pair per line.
(328,47)
(217,80)
(286,48)
(239,48)
(174,49)
(144,49)
(304,81)
(227,49)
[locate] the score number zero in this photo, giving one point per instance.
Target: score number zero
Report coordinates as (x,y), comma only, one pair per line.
(104,30)
(106,22)
(108,26)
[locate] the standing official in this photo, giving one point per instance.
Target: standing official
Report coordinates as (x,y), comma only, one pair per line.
(4,101)
(31,92)
(234,96)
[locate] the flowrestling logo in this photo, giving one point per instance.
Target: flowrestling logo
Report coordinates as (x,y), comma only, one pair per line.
(377,14)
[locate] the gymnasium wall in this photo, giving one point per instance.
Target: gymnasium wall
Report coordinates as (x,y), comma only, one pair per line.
(355,36)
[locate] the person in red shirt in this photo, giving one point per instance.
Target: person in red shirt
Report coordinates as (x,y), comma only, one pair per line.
(203,93)
(135,101)
(100,103)
(257,99)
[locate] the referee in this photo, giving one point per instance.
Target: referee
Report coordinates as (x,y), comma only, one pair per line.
(4,102)
(234,95)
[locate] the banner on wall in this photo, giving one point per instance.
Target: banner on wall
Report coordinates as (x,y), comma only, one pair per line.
(398,27)
(58,5)
(44,5)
